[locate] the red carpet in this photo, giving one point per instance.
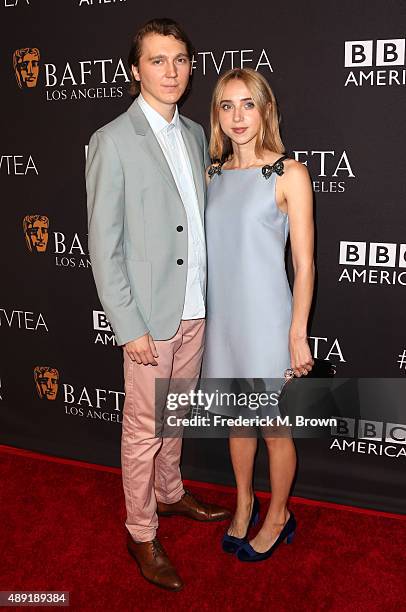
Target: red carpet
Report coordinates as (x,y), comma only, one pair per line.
(62,529)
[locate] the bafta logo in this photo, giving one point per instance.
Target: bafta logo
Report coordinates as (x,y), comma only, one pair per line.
(26,66)
(36,232)
(46,381)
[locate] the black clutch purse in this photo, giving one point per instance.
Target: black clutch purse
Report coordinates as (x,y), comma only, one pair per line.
(322,368)
(308,396)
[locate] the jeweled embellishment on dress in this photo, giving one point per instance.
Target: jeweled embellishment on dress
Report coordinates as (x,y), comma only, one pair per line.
(215,168)
(276,167)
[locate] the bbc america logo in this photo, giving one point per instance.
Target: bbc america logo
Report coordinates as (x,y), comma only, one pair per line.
(102,326)
(373,258)
(369,437)
(381,58)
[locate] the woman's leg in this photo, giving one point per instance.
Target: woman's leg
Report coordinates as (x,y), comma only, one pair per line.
(242,451)
(282,466)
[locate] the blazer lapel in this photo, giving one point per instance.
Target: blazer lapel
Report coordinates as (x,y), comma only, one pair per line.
(152,146)
(196,163)
(153,149)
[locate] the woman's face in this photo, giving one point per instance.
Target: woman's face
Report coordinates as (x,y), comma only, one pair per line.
(239,118)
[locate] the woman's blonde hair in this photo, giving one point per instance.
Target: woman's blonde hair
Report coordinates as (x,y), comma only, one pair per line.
(268,138)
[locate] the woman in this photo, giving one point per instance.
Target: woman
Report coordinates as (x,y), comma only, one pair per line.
(256,195)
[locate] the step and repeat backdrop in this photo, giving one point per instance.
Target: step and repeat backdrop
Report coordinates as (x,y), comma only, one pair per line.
(338,71)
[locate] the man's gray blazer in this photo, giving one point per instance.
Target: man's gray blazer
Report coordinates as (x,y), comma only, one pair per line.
(138,236)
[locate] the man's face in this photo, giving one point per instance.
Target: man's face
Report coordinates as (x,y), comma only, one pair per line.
(28,68)
(37,236)
(163,70)
(47,383)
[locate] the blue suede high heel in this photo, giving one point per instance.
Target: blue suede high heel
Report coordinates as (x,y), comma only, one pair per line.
(230,543)
(247,553)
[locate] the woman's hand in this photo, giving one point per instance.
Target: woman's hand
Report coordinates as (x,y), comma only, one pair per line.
(301,359)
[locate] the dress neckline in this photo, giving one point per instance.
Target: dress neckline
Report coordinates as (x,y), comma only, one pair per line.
(267,169)
(272,166)
(249,168)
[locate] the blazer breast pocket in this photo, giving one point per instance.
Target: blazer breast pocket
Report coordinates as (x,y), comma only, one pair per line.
(140,277)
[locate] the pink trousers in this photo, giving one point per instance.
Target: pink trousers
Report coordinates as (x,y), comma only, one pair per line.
(150,464)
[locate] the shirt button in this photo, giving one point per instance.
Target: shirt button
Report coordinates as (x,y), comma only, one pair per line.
(179,228)
(179,262)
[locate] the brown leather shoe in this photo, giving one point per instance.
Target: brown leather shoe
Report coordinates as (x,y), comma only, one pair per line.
(195,509)
(154,563)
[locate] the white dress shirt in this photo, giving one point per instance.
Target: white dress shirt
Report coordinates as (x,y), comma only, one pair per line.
(169,136)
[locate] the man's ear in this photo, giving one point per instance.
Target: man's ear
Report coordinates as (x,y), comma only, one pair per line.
(135,72)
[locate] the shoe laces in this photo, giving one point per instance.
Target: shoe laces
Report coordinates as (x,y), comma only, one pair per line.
(157,548)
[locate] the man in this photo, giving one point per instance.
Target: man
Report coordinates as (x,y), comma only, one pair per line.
(146,191)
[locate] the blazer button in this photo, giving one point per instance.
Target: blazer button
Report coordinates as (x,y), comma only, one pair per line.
(179,262)
(179,228)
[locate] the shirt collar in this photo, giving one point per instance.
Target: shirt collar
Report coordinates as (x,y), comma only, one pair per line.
(156,121)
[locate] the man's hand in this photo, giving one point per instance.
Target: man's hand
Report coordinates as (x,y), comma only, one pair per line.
(142,350)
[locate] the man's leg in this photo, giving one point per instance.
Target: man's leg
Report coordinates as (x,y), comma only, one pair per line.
(171,497)
(187,361)
(139,444)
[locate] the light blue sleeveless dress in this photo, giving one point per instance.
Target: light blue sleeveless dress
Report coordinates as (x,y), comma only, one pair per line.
(249,301)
